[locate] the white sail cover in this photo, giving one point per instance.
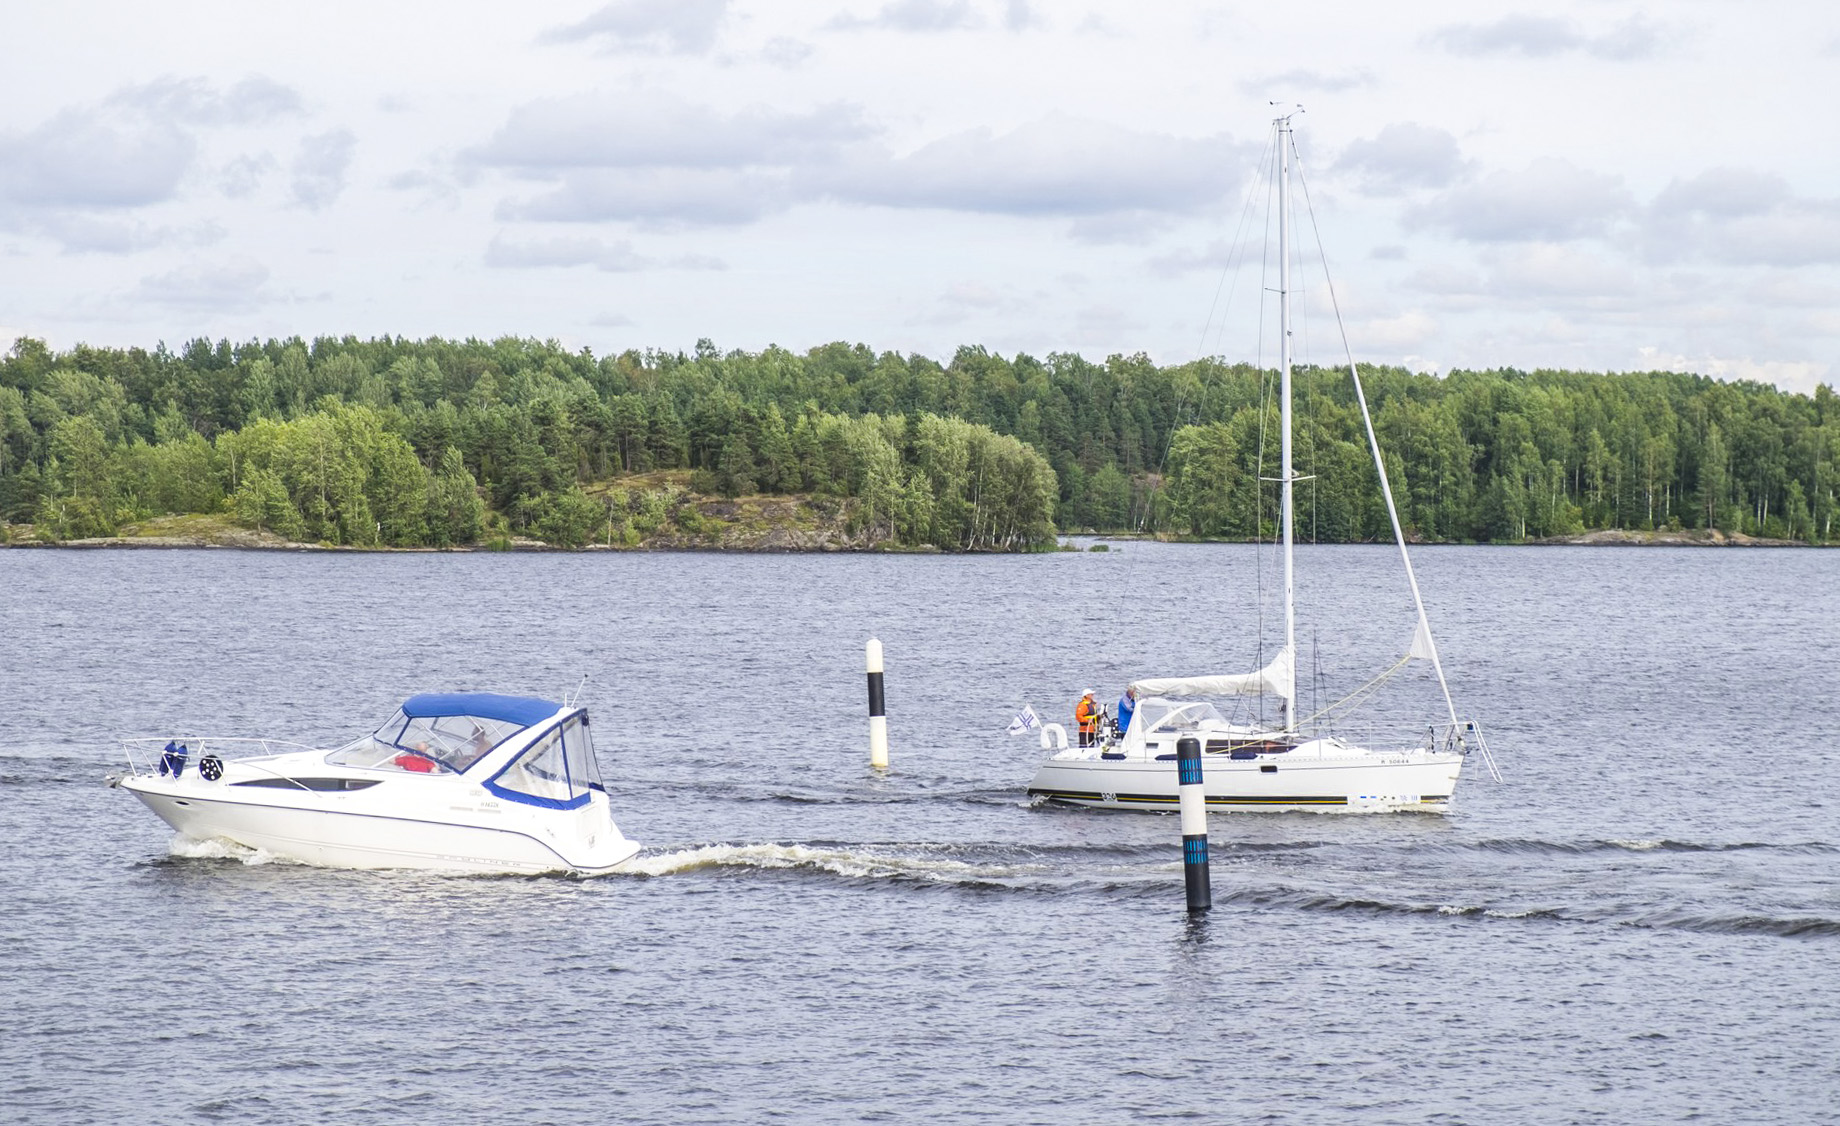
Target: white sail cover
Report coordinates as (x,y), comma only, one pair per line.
(1272,680)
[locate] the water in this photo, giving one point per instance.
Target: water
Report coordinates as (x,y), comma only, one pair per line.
(1640,925)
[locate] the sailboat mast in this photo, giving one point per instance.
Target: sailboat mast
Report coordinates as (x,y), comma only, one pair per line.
(1284,380)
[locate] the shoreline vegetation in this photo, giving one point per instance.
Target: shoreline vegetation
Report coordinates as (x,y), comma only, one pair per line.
(513,444)
(762,529)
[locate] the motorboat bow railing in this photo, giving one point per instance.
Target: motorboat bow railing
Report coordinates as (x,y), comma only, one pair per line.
(171,757)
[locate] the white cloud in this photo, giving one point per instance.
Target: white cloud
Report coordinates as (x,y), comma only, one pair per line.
(1740,217)
(88,176)
(684,27)
(242,176)
(963,302)
(89,158)
(1402,157)
(90,233)
(1107,326)
(642,129)
(1020,15)
(1056,166)
(784,51)
(566,251)
(916,15)
(668,196)
(659,159)
(1551,199)
(1407,332)
(319,169)
(1535,37)
(1545,273)
(1793,289)
(617,257)
(1723,192)
(233,286)
(1220,254)
(651,158)
(193,101)
(1305,81)
(1550,276)
(1791,375)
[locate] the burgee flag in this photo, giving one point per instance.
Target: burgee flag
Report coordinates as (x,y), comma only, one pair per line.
(1026,720)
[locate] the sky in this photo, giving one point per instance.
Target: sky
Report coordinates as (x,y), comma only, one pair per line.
(1596,185)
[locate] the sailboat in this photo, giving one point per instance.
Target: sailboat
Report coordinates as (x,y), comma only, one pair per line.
(1294,764)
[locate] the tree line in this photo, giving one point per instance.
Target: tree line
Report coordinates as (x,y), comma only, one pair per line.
(406,442)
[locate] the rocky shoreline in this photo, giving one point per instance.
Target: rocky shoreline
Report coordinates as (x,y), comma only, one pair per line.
(1698,537)
(760,524)
(754,524)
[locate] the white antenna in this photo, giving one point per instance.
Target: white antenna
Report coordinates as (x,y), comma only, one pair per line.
(569,700)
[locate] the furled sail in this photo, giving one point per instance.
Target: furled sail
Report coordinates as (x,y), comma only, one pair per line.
(1272,680)
(1421,648)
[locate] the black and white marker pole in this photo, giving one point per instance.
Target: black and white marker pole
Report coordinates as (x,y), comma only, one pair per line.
(1192,796)
(878,717)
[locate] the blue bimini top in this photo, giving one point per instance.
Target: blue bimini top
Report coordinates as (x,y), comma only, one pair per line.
(521,710)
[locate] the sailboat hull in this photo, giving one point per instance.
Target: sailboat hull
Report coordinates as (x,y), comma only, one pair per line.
(1405,782)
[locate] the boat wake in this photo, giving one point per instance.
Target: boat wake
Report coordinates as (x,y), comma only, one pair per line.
(915,863)
(1696,922)
(1642,844)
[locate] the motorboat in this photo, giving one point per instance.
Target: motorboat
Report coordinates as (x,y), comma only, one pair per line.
(469,782)
(1248,762)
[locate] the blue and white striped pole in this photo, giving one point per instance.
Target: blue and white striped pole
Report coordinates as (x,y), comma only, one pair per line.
(878,719)
(1192,796)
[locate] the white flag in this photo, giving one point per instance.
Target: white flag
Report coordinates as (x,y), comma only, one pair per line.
(1026,720)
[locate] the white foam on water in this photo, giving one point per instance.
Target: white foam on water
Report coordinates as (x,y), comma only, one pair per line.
(217,848)
(854,863)
(1646,845)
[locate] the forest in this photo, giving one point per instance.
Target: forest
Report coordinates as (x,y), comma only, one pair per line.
(397,442)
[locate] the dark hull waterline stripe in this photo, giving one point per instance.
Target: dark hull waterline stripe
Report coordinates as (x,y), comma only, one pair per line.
(1213,799)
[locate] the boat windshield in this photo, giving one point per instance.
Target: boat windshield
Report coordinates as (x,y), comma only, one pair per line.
(1170,715)
(556,772)
(427,744)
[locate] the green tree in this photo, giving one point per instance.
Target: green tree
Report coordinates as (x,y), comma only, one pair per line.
(567,519)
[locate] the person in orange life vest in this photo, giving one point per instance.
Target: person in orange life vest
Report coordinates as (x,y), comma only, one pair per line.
(1086,714)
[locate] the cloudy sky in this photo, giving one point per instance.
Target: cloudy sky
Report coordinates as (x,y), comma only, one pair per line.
(1601,184)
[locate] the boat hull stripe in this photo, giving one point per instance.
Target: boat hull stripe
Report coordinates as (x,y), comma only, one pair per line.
(1213,799)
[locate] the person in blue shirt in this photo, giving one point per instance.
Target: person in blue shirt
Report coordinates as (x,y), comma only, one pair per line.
(1127,704)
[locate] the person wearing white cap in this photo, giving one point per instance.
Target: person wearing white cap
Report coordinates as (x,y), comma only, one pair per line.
(1086,715)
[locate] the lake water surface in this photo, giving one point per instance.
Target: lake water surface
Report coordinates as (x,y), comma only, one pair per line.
(1641,924)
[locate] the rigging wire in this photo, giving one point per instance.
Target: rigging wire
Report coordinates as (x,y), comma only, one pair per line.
(1424,623)
(1361,694)
(1235,262)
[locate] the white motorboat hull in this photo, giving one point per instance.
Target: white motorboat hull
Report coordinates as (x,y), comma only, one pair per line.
(1417,781)
(448,831)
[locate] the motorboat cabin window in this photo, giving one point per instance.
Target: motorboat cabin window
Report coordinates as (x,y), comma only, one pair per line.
(558,770)
(425,737)
(1167,716)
